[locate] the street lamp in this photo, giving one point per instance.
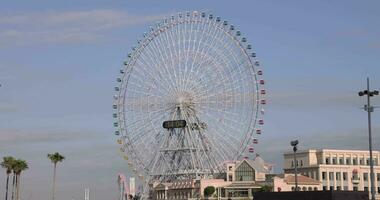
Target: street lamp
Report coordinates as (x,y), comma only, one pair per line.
(370,109)
(294,144)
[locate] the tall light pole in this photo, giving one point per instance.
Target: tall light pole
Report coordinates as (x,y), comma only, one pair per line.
(294,145)
(370,109)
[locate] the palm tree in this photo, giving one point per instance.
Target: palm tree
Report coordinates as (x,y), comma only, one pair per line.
(13,179)
(55,158)
(7,164)
(19,166)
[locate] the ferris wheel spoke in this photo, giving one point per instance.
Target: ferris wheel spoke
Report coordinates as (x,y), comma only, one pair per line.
(168,67)
(158,66)
(173,53)
(203,51)
(198,45)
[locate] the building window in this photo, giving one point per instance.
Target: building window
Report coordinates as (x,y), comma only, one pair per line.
(366,189)
(341,161)
(292,163)
(337,176)
(348,161)
(345,188)
(297,163)
(338,188)
(229,168)
(323,175)
(301,163)
(355,188)
(355,161)
(361,161)
(375,162)
(331,176)
(324,188)
(304,189)
(334,161)
(315,189)
(245,172)
(345,176)
(331,188)
(378,189)
(365,176)
(378,176)
(367,161)
(229,177)
(327,161)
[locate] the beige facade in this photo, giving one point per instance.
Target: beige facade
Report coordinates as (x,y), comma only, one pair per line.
(336,169)
(239,182)
(286,182)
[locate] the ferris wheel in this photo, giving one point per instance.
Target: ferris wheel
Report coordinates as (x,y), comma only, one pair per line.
(190,96)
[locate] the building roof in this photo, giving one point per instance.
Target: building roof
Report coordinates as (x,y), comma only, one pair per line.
(330,150)
(162,186)
(259,164)
(243,184)
(302,180)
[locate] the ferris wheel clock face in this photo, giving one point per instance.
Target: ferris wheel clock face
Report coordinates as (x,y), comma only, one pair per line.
(189,97)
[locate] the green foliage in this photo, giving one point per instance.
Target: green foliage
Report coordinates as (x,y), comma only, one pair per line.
(19,166)
(56,157)
(266,188)
(209,190)
(8,163)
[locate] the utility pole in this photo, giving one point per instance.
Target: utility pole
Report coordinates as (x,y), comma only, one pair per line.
(294,145)
(370,109)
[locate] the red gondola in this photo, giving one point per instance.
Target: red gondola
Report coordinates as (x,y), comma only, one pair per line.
(255,141)
(263,102)
(263,92)
(262,82)
(258,131)
(251,150)
(261,122)
(260,72)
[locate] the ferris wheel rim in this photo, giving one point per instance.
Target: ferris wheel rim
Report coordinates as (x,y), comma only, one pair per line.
(128,66)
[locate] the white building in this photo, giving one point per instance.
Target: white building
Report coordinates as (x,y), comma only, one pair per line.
(336,169)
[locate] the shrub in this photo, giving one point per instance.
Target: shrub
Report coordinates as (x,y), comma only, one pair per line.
(209,190)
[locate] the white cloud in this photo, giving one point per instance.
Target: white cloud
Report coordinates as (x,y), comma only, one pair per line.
(66,26)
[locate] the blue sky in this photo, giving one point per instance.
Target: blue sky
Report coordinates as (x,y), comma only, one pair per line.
(59,61)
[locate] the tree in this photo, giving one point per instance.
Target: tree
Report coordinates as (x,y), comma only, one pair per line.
(55,158)
(7,164)
(266,188)
(18,167)
(209,190)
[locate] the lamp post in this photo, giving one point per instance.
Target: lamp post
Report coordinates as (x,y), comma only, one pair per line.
(370,109)
(294,145)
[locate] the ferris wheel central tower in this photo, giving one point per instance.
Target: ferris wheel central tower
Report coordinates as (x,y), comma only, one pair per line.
(189,98)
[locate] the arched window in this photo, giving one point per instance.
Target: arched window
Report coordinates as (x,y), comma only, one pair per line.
(244,172)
